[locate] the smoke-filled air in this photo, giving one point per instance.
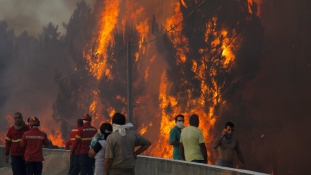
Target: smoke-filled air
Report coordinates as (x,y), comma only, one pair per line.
(244,61)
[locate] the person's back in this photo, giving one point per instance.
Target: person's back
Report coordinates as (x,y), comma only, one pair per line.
(74,149)
(98,148)
(99,158)
(123,148)
(120,147)
(84,138)
(86,133)
(191,137)
(192,147)
(34,139)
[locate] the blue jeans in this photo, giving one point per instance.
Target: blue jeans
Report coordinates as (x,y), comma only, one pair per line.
(18,165)
(225,164)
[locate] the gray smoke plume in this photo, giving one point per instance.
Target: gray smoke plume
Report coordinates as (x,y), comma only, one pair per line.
(278,99)
(31,15)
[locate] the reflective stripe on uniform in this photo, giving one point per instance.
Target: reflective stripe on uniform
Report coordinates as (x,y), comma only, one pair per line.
(90,138)
(78,137)
(73,138)
(17,140)
(8,139)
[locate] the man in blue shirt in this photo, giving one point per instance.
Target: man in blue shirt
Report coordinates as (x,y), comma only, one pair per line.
(175,135)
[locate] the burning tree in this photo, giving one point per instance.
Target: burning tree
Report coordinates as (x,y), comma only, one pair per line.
(199,66)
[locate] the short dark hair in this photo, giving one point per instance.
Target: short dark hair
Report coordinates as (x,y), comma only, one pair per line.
(179,115)
(229,124)
(118,119)
(18,113)
(194,120)
(80,122)
(104,127)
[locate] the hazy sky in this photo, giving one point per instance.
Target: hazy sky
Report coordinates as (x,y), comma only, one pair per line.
(32,15)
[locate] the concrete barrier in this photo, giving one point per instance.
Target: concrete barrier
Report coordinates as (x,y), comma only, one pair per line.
(160,166)
(57,163)
(64,154)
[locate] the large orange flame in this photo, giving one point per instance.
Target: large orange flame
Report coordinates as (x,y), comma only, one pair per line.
(97,58)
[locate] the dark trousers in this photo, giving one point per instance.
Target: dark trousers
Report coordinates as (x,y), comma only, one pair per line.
(198,161)
(122,171)
(76,165)
(70,164)
(34,168)
(86,164)
(18,165)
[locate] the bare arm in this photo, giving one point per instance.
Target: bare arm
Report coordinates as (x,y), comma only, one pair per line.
(107,165)
(181,151)
(92,153)
(203,151)
(142,149)
(218,140)
(239,154)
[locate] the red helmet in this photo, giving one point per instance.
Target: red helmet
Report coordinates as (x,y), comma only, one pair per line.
(34,121)
(87,117)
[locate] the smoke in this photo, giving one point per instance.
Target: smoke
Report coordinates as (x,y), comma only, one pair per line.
(278,99)
(31,15)
(266,92)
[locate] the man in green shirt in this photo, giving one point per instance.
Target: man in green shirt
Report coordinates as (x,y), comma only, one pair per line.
(175,135)
(192,146)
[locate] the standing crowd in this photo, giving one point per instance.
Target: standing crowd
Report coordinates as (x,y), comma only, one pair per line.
(188,143)
(111,150)
(113,146)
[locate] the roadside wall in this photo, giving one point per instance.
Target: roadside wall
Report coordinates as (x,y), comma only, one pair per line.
(57,162)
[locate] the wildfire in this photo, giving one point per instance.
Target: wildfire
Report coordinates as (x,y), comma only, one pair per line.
(180,42)
(97,58)
(214,56)
(250,6)
(162,147)
(54,134)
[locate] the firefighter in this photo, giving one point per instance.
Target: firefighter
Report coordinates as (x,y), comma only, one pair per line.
(74,153)
(12,145)
(32,142)
(84,138)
